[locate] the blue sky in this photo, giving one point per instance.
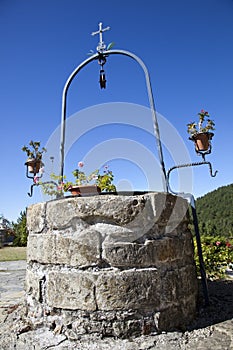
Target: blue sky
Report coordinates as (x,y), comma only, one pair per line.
(187,46)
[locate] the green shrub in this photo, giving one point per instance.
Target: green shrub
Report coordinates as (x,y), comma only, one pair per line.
(217,254)
(20,230)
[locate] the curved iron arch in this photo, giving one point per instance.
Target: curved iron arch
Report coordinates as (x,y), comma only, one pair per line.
(150,96)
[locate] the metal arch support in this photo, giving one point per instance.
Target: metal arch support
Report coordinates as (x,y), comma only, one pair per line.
(150,96)
(64,104)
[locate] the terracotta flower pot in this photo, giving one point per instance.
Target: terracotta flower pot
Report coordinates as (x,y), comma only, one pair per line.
(33,165)
(201,141)
(85,190)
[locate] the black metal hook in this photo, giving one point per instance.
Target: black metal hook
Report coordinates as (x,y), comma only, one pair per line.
(102,61)
(102,80)
(31,190)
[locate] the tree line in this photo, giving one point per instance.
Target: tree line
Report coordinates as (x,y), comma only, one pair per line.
(215,212)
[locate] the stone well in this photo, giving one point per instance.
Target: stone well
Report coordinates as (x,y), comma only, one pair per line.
(114,265)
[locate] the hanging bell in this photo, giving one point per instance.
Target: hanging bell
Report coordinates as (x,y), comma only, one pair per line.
(102,80)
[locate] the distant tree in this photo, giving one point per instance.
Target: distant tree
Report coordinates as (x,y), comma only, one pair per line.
(202,228)
(215,212)
(4,223)
(20,230)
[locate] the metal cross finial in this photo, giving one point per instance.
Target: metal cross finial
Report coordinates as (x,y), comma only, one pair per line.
(101,46)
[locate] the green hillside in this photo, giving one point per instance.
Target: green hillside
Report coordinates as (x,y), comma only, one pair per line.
(215,212)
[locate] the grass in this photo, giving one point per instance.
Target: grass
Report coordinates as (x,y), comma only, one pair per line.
(13,253)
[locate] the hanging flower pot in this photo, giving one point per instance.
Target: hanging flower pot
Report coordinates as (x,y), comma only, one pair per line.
(33,165)
(200,134)
(34,153)
(202,140)
(84,190)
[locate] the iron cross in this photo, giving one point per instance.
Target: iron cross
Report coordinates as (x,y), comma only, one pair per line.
(101,45)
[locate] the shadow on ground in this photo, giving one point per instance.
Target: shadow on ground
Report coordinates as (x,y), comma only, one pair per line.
(221,304)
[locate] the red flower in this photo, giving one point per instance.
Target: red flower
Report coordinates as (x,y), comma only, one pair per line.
(228,244)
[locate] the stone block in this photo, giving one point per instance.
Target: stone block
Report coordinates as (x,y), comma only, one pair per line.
(188,280)
(32,284)
(189,307)
(133,211)
(176,212)
(36,218)
(62,213)
(120,210)
(74,290)
(127,255)
(167,249)
(73,250)
(79,250)
(170,287)
(129,289)
(108,290)
(38,247)
(151,253)
(111,209)
(170,319)
(188,244)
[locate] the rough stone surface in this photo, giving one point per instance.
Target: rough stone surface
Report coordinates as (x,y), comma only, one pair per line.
(36,218)
(110,265)
(211,329)
(73,290)
(72,249)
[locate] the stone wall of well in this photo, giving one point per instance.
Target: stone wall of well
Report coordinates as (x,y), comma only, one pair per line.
(111,265)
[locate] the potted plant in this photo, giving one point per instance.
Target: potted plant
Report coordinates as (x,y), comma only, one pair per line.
(201,134)
(84,185)
(34,154)
(91,184)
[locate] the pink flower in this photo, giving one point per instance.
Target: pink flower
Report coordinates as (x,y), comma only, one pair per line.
(203,112)
(218,243)
(80,164)
(36,179)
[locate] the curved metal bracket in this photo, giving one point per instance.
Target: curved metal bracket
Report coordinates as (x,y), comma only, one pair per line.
(104,54)
(34,175)
(33,178)
(185,166)
(40,184)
